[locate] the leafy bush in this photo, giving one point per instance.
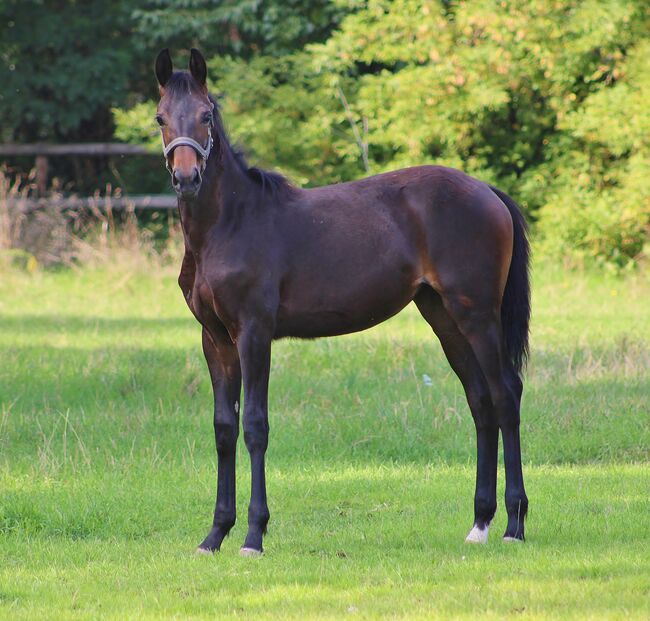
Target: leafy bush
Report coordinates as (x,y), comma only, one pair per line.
(598,204)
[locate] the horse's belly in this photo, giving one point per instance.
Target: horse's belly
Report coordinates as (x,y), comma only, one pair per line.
(344,304)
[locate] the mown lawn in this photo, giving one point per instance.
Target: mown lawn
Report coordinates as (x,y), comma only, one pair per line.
(107,464)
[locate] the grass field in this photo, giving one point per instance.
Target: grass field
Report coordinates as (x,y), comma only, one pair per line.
(107,464)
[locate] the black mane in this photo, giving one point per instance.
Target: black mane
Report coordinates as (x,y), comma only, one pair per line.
(272,182)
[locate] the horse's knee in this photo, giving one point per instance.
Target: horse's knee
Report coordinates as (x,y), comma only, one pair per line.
(474,321)
(515,385)
(256,431)
(226,432)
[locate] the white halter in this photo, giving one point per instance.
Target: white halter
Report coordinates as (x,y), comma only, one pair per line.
(204,152)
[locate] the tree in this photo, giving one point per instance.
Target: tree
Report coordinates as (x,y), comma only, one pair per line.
(245,28)
(64,65)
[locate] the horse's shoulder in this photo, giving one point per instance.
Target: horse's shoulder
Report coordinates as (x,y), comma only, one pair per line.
(187,275)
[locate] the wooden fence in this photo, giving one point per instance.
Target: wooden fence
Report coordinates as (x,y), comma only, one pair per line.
(151,201)
(42,151)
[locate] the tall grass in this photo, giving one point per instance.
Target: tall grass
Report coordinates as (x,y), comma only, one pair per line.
(11,220)
(50,235)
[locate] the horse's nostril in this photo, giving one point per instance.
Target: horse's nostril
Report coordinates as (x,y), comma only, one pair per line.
(186,183)
(181,180)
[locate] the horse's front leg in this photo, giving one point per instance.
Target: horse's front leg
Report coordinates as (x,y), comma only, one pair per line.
(223,363)
(254,345)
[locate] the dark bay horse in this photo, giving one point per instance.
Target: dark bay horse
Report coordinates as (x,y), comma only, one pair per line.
(265,260)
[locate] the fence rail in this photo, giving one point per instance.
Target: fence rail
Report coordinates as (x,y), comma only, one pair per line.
(92,149)
(155,201)
(43,150)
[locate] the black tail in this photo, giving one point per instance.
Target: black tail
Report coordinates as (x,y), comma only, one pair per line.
(515,306)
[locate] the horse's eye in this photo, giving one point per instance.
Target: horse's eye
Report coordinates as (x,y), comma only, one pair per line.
(207,118)
(160,120)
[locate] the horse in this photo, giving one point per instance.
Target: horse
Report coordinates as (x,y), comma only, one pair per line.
(265,259)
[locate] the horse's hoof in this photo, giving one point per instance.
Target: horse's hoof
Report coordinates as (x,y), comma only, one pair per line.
(250,552)
(513,540)
(478,535)
(202,551)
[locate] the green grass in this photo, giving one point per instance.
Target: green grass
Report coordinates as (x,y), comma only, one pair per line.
(107,464)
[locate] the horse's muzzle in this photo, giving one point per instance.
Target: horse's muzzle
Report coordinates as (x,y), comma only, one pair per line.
(186,185)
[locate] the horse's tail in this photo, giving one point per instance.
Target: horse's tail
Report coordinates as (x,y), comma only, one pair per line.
(515,306)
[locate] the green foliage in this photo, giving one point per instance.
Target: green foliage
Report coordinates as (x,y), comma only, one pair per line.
(63,65)
(302,132)
(242,27)
(599,199)
(545,98)
(137,125)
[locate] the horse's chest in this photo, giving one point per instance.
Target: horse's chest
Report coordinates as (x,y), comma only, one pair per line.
(214,300)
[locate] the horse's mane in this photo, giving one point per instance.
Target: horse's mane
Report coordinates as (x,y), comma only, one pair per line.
(272,182)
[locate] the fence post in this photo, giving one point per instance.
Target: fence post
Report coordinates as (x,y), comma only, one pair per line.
(41,174)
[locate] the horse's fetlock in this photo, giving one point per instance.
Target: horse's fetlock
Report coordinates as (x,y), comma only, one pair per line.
(259,515)
(484,508)
(224,519)
(517,504)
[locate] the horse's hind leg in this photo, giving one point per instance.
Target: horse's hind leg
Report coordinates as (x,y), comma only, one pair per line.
(463,361)
(482,329)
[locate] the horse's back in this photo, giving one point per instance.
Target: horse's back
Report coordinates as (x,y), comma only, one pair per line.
(357,252)
(437,196)
(448,218)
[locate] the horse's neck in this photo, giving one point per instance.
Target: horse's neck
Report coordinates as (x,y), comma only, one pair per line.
(200,214)
(197,218)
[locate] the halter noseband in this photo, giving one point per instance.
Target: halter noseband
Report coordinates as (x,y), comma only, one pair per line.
(204,152)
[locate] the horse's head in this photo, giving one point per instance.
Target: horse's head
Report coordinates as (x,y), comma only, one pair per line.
(185,116)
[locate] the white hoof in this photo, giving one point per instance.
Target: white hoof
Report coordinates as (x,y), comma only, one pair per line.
(512,540)
(250,552)
(202,552)
(478,535)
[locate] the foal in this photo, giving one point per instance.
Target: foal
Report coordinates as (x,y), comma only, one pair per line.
(265,260)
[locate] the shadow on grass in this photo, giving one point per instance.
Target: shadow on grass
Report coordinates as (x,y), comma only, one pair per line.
(38,325)
(335,400)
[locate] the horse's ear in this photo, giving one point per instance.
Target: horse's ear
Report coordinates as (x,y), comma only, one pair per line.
(197,66)
(163,67)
